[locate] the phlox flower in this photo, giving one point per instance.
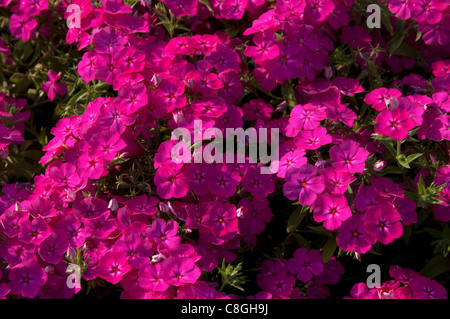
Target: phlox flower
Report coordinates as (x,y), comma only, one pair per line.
(349,156)
(52,249)
(259,185)
(112,266)
(381,98)
(255,215)
(170,182)
(230,10)
(164,234)
(353,235)
(220,218)
(332,210)
(383,222)
(131,98)
(15,251)
(303,184)
(149,277)
(336,181)
(27,278)
(222,180)
(306,117)
(52,88)
(35,231)
(22,26)
(264,49)
(305,263)
(425,288)
(286,65)
(179,271)
(257,109)
(395,123)
(311,140)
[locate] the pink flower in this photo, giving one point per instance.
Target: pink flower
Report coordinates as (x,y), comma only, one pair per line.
(303,184)
(35,231)
(383,222)
(220,218)
(336,180)
(52,88)
(22,26)
(255,215)
(353,235)
(265,48)
(27,278)
(349,156)
(332,209)
(259,185)
(150,277)
(395,123)
(311,140)
(112,266)
(425,288)
(306,117)
(170,182)
(164,234)
(52,249)
(305,264)
(381,98)
(179,271)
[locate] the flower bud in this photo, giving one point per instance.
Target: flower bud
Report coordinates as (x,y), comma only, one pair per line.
(379,166)
(113,205)
(18,207)
(328,72)
(241,211)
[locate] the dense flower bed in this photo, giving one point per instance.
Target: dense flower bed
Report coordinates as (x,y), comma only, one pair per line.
(94,203)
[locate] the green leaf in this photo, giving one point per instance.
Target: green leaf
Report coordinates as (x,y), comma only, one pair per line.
(16,78)
(407,232)
(407,50)
(287,91)
(397,40)
(329,249)
(320,230)
(391,170)
(435,266)
(389,147)
(386,19)
(403,161)
(413,157)
(421,186)
(207,5)
(433,232)
(296,218)
(301,241)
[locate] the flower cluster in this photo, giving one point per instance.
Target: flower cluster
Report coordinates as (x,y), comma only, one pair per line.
(113,201)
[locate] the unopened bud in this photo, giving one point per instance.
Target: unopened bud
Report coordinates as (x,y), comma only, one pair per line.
(241,211)
(281,107)
(18,207)
(379,166)
(328,72)
(113,205)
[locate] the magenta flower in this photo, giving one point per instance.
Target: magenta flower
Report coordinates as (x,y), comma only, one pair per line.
(349,156)
(27,278)
(170,182)
(259,185)
(306,117)
(353,235)
(131,98)
(383,222)
(257,109)
(265,48)
(15,251)
(332,209)
(35,231)
(305,264)
(425,288)
(303,184)
(52,88)
(150,277)
(112,266)
(220,218)
(52,249)
(179,271)
(381,98)
(336,180)
(222,180)
(254,217)
(311,140)
(395,123)
(164,234)
(22,26)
